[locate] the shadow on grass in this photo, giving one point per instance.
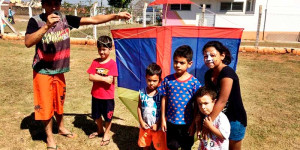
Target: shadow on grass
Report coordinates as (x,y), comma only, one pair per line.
(36,128)
(125,136)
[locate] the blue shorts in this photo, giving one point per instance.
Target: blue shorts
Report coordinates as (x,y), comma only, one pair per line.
(103,107)
(237,131)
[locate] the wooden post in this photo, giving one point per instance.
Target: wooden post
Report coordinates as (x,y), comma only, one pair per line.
(263,36)
(258,26)
(1,23)
(144,14)
(131,19)
(75,10)
(166,10)
(203,13)
(120,19)
(1,16)
(153,16)
(94,7)
(30,9)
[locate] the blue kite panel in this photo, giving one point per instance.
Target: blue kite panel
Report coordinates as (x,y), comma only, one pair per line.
(133,56)
(198,68)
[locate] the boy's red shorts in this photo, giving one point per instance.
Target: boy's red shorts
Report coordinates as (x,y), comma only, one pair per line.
(49,95)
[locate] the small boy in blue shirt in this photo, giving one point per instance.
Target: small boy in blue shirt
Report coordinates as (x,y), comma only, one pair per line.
(176,105)
(149,111)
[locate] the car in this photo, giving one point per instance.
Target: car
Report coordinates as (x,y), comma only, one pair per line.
(139,19)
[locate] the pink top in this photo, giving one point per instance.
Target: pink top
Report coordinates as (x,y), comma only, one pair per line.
(102,90)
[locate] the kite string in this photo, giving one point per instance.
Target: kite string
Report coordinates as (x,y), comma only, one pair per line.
(128,68)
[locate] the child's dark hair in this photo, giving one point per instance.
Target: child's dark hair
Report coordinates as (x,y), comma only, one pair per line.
(104,41)
(154,69)
(49,1)
(184,51)
(205,90)
(221,48)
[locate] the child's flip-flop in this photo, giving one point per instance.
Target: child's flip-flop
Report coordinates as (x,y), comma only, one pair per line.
(49,147)
(104,143)
(95,134)
(69,135)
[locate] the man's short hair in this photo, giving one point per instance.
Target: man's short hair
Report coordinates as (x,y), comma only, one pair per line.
(184,51)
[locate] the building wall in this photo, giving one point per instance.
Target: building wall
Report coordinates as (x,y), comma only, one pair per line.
(281,15)
(282,18)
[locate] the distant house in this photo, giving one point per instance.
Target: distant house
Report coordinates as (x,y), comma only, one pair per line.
(280,19)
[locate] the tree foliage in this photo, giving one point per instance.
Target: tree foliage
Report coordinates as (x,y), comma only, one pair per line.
(119,3)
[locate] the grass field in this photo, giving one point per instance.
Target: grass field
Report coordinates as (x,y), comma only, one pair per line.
(269,84)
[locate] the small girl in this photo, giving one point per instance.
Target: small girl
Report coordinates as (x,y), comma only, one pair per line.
(225,80)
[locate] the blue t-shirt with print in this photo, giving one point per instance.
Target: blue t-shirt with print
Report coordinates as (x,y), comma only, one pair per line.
(179,109)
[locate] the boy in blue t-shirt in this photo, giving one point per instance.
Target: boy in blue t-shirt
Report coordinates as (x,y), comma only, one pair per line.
(176,105)
(149,111)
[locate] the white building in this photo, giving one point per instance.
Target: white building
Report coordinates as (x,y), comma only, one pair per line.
(280,19)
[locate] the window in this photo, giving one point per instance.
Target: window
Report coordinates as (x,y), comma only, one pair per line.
(207,6)
(250,5)
(180,6)
(232,6)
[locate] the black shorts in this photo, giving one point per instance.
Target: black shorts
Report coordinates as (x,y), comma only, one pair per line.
(178,136)
(104,107)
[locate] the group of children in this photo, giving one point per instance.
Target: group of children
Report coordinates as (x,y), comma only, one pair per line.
(171,110)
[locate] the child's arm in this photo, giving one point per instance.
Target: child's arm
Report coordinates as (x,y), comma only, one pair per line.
(143,124)
(99,78)
(208,123)
(163,114)
(104,18)
(226,86)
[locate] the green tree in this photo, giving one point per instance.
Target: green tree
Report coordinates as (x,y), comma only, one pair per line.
(119,3)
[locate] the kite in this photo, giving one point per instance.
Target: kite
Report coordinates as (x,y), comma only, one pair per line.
(136,48)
